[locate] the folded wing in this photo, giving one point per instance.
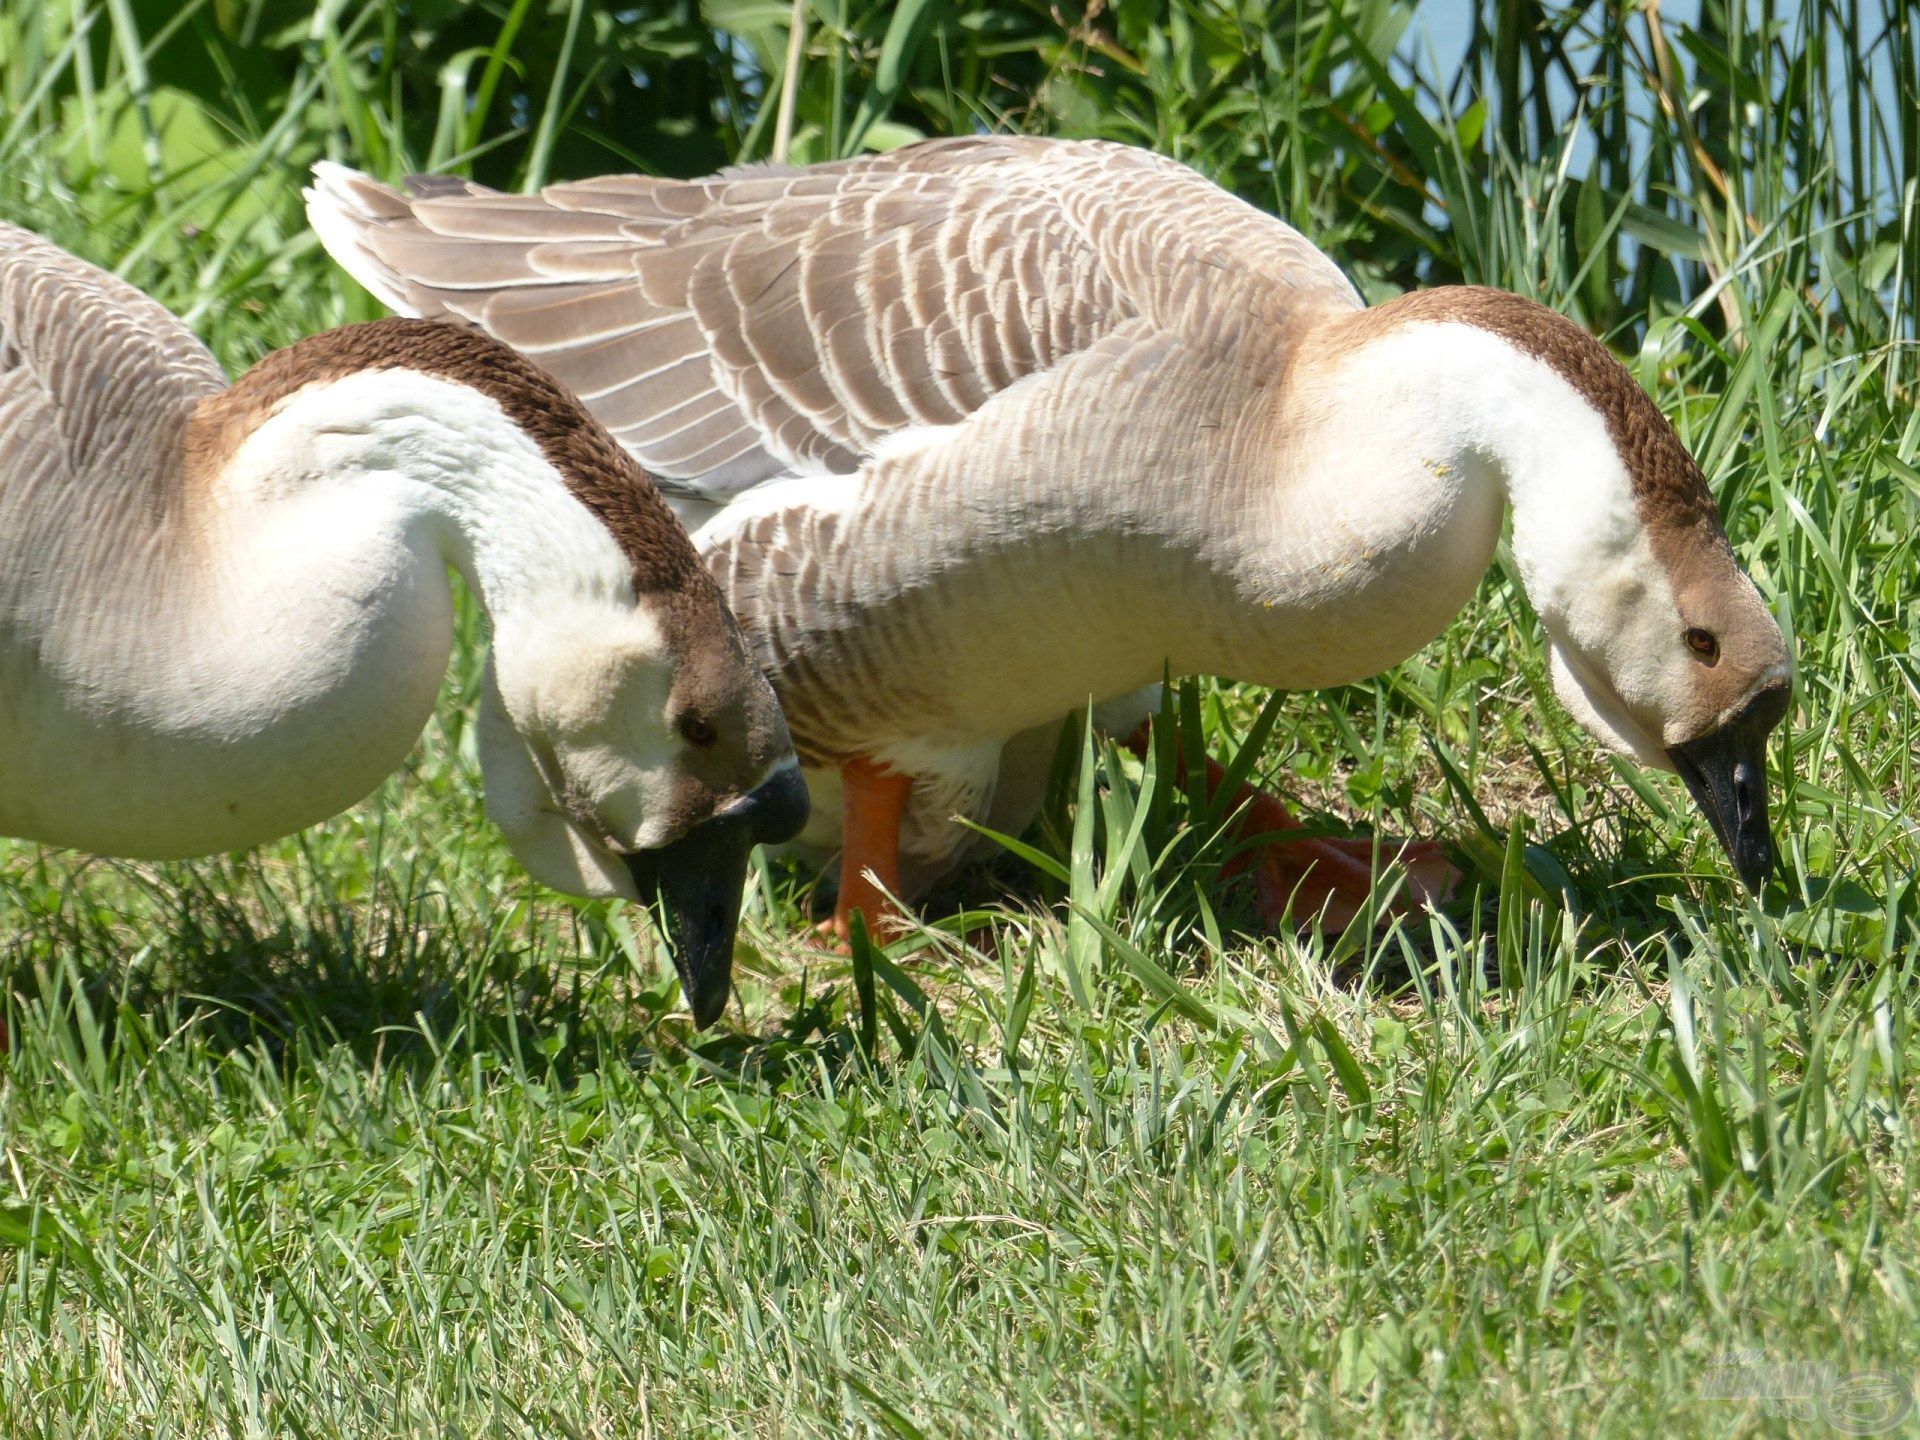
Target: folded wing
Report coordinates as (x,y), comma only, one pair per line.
(97,381)
(770,321)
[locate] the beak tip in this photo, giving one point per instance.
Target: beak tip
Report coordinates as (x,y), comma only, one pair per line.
(708,1004)
(697,882)
(706,977)
(705,965)
(1725,772)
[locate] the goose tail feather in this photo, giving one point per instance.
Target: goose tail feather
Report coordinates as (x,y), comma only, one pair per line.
(342,205)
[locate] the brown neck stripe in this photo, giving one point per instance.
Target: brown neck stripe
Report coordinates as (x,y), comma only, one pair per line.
(600,474)
(1668,489)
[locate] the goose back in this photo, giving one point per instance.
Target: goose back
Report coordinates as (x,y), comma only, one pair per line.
(768,322)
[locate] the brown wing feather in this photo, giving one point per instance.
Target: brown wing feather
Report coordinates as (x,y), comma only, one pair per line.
(833,305)
(97,381)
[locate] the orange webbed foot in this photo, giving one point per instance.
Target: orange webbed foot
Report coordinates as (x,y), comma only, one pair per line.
(884,921)
(1328,882)
(1314,879)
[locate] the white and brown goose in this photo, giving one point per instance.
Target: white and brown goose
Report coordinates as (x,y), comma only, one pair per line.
(985,427)
(225,610)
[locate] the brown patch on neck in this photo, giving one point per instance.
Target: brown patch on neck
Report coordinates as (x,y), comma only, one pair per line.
(600,475)
(1668,489)
(1681,520)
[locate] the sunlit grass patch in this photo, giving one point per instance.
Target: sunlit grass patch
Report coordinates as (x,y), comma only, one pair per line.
(363,1133)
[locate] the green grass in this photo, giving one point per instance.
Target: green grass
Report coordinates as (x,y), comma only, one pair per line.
(365,1134)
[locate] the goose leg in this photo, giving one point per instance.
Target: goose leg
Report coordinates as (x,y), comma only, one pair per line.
(872,801)
(1316,876)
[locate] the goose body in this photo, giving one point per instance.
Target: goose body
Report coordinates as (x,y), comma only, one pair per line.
(981,429)
(225,614)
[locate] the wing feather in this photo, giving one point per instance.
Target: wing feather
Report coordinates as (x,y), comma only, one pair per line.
(97,381)
(818,310)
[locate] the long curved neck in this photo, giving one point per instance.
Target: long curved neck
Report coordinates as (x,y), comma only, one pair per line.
(261,649)
(1405,417)
(441,460)
(1493,390)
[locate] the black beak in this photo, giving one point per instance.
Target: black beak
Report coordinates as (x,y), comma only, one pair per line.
(1726,771)
(698,878)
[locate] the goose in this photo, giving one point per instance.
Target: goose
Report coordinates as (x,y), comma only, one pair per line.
(986,427)
(225,611)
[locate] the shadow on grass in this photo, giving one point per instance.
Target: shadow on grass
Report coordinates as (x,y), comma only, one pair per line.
(253,960)
(1623,891)
(403,975)
(252,965)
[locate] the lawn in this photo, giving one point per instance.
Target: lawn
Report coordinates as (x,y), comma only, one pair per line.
(365,1134)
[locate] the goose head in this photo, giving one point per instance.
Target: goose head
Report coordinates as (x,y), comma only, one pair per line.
(630,745)
(1658,642)
(1673,660)
(635,750)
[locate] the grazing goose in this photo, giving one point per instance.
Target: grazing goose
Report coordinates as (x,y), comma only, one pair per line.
(225,614)
(988,426)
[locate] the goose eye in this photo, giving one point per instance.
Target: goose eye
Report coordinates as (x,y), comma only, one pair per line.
(1704,644)
(697,732)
